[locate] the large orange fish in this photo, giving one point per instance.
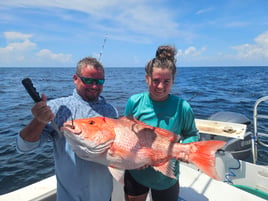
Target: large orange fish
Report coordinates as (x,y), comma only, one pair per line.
(127,143)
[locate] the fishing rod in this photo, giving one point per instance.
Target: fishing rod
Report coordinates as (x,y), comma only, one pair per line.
(102,47)
(28,85)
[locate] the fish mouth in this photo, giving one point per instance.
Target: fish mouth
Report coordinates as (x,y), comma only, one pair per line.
(71,128)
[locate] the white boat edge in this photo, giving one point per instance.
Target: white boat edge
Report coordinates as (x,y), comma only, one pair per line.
(44,190)
(194,185)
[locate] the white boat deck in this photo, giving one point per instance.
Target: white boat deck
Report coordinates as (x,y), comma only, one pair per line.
(194,186)
(198,186)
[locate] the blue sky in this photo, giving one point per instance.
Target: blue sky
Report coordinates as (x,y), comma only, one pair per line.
(48,33)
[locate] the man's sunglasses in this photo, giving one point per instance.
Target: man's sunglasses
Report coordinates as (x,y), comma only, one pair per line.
(87,80)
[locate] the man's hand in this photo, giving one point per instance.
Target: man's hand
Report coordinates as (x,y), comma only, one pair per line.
(42,112)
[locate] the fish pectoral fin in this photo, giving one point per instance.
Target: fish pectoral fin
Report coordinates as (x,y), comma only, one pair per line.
(117,151)
(121,157)
(167,169)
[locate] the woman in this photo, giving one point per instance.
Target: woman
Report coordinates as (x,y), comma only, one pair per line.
(159,108)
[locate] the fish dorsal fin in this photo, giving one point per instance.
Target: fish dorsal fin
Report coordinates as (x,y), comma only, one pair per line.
(172,137)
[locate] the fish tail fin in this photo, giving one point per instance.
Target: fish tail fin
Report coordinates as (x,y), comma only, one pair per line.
(202,155)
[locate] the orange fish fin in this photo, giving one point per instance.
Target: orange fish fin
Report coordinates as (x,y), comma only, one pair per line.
(166,169)
(166,133)
(133,119)
(118,174)
(202,154)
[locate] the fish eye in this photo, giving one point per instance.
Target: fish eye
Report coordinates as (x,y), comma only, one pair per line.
(91,122)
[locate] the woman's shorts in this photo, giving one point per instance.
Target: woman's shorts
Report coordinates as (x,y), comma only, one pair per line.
(133,188)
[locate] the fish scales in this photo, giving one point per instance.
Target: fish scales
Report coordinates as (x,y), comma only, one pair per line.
(127,143)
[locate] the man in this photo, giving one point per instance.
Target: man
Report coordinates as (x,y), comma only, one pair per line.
(77,179)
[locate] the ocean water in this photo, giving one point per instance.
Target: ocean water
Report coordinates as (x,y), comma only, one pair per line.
(208,90)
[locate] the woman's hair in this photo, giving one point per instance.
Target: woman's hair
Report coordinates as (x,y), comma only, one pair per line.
(166,52)
(88,61)
(164,58)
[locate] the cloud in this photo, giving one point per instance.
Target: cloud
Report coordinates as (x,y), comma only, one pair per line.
(191,51)
(258,50)
(17,48)
(18,42)
(130,20)
(21,51)
(242,55)
(60,57)
(129,24)
(202,11)
(16,36)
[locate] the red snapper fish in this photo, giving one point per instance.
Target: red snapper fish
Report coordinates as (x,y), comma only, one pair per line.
(127,143)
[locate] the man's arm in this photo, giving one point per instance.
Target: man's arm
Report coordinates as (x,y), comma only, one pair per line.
(32,131)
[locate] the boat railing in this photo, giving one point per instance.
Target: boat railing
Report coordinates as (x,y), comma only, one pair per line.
(256,134)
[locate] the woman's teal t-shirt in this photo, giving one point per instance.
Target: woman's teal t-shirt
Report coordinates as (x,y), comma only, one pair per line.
(173,114)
